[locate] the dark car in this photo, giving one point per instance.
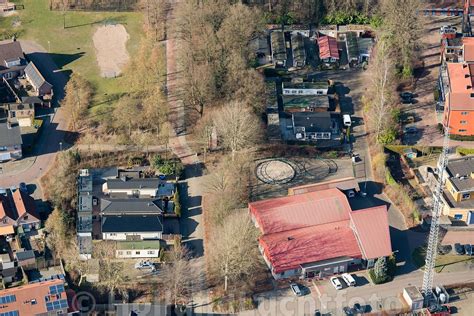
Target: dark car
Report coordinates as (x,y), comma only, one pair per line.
(23,187)
(348,311)
(444,250)
(358,309)
(317,313)
(468,250)
(407,97)
(459,248)
(410,130)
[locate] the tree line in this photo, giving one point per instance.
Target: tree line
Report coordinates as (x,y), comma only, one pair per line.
(94,5)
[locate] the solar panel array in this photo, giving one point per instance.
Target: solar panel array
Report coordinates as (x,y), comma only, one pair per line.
(7,299)
(59,304)
(12,313)
(56,289)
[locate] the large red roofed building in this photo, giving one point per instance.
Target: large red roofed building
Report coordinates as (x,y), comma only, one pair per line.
(328,50)
(318,234)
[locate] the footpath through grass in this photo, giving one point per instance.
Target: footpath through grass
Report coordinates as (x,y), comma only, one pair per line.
(72,48)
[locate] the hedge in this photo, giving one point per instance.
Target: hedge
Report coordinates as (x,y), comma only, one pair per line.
(464,151)
(177,202)
(462,137)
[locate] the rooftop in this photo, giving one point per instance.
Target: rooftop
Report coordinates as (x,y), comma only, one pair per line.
(297,45)
(328,47)
(313,121)
(459,171)
(35,76)
(293,225)
(458,236)
(85,183)
(10,50)
(461,96)
(144,244)
(10,135)
(35,298)
(320,84)
(305,101)
(128,183)
(125,224)
(85,203)
(277,39)
(468,50)
(130,206)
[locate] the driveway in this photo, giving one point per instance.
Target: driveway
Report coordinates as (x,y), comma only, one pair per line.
(54,126)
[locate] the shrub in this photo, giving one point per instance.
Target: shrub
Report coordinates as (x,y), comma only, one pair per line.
(462,137)
(167,168)
(388,136)
(440,128)
(177,203)
(157,161)
(464,151)
(389,178)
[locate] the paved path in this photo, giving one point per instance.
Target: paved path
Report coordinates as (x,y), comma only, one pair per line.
(54,127)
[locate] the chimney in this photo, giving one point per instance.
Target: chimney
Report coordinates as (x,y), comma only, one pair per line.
(464,66)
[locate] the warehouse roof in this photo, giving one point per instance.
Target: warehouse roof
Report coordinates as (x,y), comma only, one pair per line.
(289,249)
(319,225)
(298,211)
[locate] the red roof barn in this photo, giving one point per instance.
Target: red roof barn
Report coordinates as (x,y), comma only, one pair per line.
(328,48)
(317,233)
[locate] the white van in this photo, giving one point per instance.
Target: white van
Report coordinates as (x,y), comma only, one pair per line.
(348,279)
(346,119)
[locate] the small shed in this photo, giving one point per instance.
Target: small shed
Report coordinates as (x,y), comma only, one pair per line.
(410,153)
(413,297)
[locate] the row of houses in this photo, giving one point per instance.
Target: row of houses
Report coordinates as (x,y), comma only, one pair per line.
(128,209)
(22,89)
(332,43)
(314,231)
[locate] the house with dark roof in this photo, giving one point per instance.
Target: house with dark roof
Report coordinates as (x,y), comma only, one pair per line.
(298,50)
(10,141)
(278,47)
(18,209)
(41,87)
(320,128)
(317,234)
(12,59)
(138,187)
(459,191)
(132,227)
(131,206)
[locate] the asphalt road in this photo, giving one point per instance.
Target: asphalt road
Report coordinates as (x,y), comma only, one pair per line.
(54,126)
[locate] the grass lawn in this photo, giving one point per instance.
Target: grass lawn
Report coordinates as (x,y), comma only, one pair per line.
(441,260)
(72,48)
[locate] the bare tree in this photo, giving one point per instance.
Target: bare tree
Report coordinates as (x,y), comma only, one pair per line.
(402,27)
(77,99)
(381,91)
(238,128)
(73,260)
(178,275)
(56,229)
(233,250)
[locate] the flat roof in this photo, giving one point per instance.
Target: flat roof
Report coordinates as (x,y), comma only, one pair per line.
(319,84)
(306,101)
(143,244)
(85,183)
(341,184)
(10,135)
(458,236)
(127,183)
(85,203)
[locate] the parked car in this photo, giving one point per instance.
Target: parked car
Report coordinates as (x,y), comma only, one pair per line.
(468,250)
(459,248)
(348,311)
(444,250)
(407,97)
(336,283)
(23,187)
(296,289)
(145,265)
(348,279)
(317,312)
(447,29)
(409,119)
(346,118)
(410,130)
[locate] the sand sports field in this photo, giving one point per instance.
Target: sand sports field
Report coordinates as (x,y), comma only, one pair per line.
(110,48)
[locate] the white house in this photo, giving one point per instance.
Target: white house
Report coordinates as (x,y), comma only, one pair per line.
(138,249)
(132,187)
(132,228)
(306,88)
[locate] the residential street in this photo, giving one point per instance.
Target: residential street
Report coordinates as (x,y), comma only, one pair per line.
(54,126)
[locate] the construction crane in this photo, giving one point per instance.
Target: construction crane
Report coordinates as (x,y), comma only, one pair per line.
(432,248)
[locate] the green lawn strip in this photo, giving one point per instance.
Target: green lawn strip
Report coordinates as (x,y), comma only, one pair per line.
(442,261)
(72,47)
